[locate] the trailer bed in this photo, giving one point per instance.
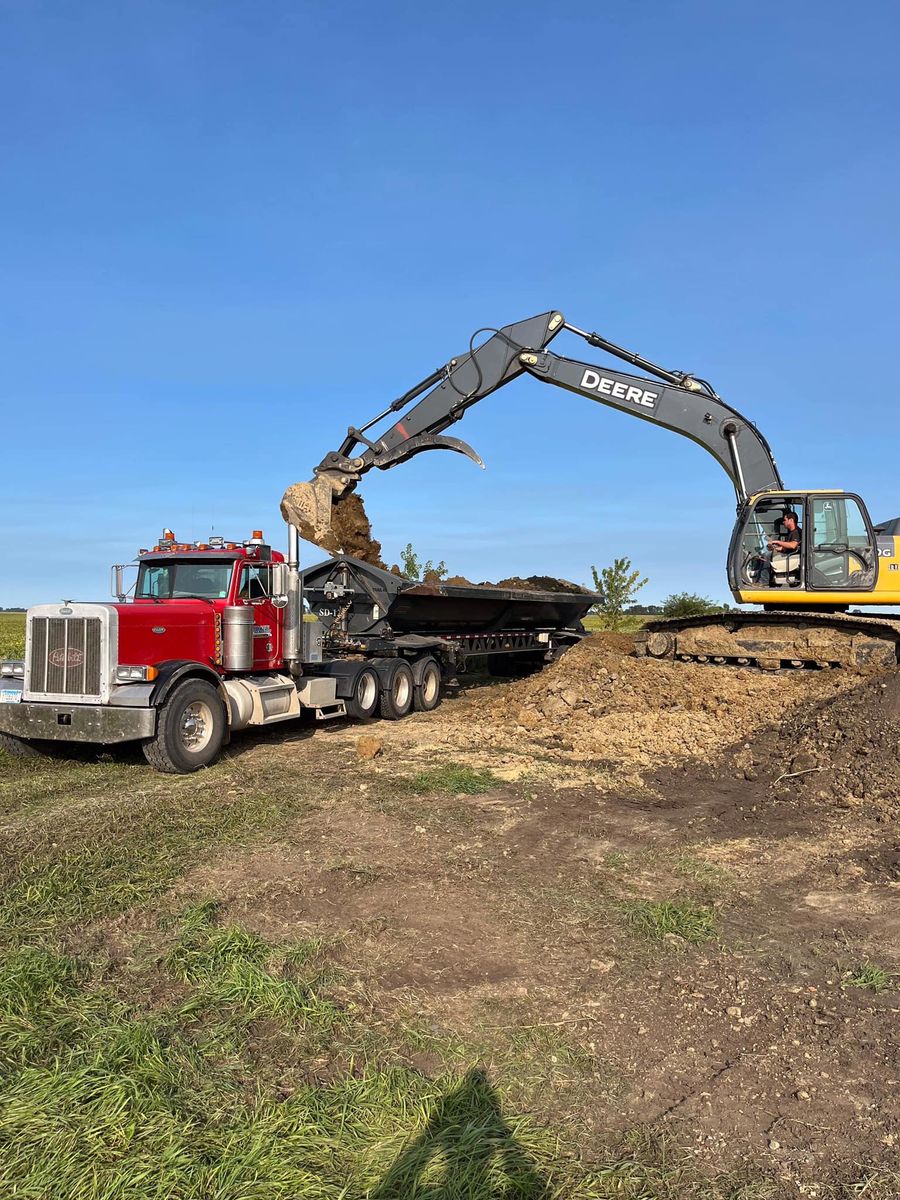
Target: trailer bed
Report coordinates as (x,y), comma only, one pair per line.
(381,602)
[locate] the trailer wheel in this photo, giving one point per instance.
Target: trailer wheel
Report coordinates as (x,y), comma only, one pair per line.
(190,729)
(429,685)
(363,703)
(398,690)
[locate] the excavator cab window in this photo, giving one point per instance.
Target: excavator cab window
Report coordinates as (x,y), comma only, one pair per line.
(842,550)
(757,565)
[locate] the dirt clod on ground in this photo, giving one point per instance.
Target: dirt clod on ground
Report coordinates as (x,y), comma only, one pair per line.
(369,747)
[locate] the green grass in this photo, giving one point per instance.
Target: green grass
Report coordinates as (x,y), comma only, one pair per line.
(452,779)
(595,623)
(250,1082)
(86,841)
(12,635)
(104,1101)
(655,919)
(870,977)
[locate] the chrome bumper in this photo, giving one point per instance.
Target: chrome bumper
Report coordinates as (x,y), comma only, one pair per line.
(102,723)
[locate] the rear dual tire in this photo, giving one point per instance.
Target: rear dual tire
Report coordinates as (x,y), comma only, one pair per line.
(398,690)
(362,704)
(429,683)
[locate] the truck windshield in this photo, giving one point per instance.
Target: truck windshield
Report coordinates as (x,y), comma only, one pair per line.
(180,580)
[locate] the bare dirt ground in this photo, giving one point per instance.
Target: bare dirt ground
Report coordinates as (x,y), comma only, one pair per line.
(676,906)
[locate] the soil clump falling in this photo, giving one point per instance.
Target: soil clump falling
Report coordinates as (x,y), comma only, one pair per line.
(352,531)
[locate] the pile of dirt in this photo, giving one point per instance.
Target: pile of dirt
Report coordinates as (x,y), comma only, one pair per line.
(845,750)
(539,583)
(598,703)
(533,583)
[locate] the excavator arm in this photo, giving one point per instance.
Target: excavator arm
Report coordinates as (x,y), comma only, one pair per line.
(672,399)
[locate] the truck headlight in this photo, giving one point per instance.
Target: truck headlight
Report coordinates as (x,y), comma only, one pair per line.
(12,669)
(135,674)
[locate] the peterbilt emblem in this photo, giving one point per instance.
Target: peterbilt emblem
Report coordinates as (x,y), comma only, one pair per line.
(65,658)
(158,629)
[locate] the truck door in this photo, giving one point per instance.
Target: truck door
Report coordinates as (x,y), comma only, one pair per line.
(256,588)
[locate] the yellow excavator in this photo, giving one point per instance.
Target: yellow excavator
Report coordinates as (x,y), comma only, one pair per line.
(806,555)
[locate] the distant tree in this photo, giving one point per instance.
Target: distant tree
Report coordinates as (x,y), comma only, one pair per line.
(417,571)
(617,586)
(687,604)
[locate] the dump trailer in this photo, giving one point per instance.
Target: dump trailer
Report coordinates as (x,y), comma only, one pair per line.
(218,636)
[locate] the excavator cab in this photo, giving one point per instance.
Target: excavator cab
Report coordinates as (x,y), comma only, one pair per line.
(835,563)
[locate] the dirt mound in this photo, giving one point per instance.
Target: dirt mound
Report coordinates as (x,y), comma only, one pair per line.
(539,583)
(533,583)
(599,703)
(846,749)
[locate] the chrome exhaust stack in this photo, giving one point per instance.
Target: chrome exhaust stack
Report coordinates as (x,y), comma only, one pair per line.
(293,613)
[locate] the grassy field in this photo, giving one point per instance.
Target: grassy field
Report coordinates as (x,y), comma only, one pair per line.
(152,1047)
(595,623)
(12,635)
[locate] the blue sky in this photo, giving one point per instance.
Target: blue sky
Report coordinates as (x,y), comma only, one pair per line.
(229,230)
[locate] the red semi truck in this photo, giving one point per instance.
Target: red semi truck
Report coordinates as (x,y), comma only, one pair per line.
(218,636)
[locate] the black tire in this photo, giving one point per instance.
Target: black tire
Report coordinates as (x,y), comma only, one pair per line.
(397,690)
(190,729)
(363,703)
(19,747)
(429,684)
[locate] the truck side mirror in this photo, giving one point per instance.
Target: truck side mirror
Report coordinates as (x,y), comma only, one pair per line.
(279,582)
(117,582)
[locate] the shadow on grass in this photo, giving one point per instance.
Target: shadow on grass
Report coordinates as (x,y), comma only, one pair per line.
(465,1150)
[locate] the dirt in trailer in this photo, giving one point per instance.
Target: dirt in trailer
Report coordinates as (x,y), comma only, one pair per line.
(533,583)
(662,897)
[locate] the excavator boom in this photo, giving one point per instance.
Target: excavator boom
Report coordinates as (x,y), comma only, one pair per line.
(677,401)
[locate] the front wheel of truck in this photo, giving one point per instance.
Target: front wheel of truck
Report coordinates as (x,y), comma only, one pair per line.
(190,729)
(19,747)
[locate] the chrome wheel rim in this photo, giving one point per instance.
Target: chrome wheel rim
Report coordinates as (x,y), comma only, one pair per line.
(401,689)
(366,691)
(196,726)
(431,682)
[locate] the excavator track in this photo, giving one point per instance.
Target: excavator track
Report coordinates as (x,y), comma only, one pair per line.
(777,640)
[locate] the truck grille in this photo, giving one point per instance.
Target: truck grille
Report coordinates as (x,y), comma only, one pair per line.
(65,655)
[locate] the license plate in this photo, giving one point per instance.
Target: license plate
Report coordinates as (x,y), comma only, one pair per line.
(10,695)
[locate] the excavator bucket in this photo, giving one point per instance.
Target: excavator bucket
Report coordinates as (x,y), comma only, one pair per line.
(307,506)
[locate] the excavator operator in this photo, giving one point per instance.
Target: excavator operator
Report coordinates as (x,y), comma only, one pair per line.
(784,556)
